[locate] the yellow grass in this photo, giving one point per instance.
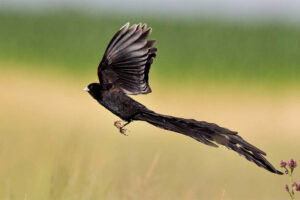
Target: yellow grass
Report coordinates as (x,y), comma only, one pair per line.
(58,143)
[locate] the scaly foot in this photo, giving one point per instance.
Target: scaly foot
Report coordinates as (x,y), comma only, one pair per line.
(121,128)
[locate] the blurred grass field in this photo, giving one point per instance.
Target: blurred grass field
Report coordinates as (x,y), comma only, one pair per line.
(197,51)
(58,143)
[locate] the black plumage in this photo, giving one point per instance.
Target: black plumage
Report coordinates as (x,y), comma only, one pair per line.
(124,71)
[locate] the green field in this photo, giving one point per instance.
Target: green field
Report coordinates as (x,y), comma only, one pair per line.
(201,50)
(57,143)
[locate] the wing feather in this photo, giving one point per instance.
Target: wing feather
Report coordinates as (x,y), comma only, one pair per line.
(117,37)
(127,60)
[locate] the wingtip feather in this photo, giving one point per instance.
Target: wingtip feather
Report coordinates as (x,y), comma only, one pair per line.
(150,30)
(125,26)
(144,27)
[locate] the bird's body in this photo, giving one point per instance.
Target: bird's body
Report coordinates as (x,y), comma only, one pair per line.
(118,103)
(124,71)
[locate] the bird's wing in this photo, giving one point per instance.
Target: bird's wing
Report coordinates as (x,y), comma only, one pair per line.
(127,60)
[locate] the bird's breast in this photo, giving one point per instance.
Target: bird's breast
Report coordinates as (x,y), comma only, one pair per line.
(120,104)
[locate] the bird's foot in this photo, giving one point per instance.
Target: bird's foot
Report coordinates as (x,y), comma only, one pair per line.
(123,131)
(120,126)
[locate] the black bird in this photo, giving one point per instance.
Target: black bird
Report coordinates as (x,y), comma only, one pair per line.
(124,71)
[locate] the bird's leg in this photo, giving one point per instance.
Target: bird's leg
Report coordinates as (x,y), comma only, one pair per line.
(121,128)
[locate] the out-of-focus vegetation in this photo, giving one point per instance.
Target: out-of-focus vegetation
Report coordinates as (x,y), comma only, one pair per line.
(56,142)
(200,50)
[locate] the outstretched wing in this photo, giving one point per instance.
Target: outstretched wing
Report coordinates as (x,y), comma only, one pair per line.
(127,60)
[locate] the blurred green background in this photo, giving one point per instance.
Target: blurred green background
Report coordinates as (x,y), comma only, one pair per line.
(58,143)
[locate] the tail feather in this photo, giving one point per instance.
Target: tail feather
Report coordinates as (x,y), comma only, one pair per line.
(209,134)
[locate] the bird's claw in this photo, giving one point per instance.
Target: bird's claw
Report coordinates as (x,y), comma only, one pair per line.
(123,131)
(119,125)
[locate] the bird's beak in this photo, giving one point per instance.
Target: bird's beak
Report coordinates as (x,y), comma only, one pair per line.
(86,89)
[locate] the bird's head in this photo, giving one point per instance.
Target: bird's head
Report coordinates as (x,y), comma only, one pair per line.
(94,89)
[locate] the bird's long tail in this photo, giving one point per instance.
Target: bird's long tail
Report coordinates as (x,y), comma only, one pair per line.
(209,134)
